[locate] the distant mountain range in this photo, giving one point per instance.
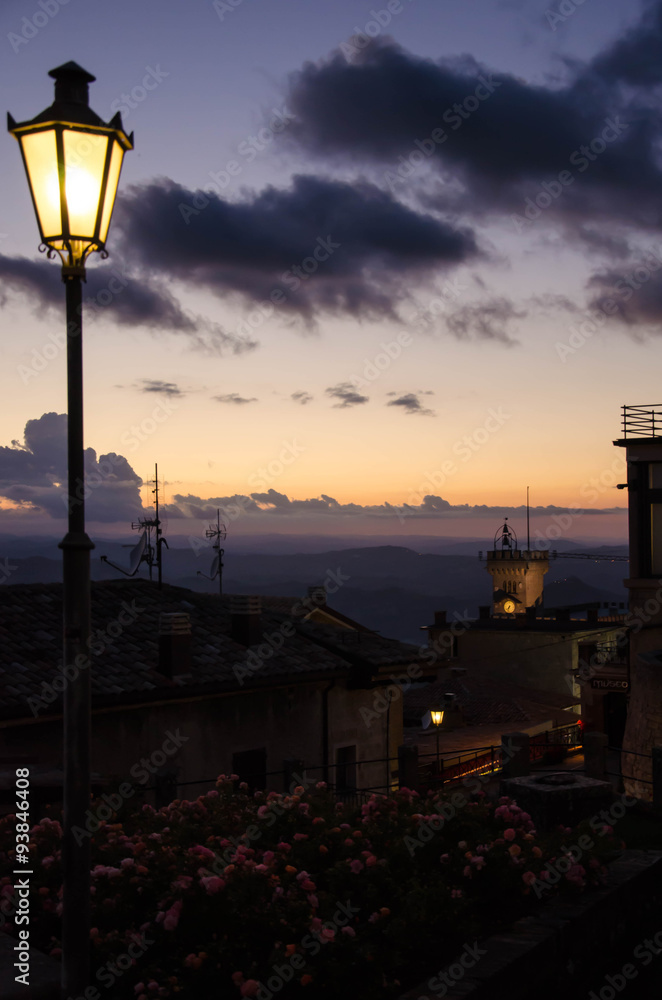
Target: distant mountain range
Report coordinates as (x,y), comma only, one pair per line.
(391,588)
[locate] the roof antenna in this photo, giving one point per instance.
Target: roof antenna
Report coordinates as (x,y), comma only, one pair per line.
(145,551)
(218,532)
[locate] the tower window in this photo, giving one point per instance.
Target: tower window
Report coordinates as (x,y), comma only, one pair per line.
(651,518)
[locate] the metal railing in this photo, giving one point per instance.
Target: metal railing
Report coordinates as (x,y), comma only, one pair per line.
(446,770)
(433,771)
(555,742)
(642,421)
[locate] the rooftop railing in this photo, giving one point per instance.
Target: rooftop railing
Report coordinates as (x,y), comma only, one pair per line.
(643,421)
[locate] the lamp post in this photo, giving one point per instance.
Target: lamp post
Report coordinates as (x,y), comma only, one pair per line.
(437,717)
(73,161)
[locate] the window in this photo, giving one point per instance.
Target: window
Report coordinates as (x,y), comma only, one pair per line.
(251,766)
(346,768)
(651,520)
(166,788)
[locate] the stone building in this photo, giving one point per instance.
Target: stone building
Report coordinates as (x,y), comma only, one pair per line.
(546,652)
(517,574)
(573,653)
(187,686)
(642,441)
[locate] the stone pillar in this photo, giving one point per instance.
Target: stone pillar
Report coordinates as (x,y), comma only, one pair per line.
(595,755)
(515,755)
(657,778)
(408,767)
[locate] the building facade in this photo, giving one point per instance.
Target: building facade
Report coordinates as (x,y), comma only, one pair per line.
(187,686)
(642,442)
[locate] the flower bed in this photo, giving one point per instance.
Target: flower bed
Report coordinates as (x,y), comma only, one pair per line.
(251,895)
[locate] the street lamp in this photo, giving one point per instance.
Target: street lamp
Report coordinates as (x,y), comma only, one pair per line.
(73,161)
(437,717)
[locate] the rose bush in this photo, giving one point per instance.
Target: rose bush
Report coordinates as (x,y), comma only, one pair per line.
(241,894)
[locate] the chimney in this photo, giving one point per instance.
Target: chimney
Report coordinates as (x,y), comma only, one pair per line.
(245,611)
(592,615)
(440,617)
(531,612)
(317,594)
(562,614)
(484,611)
(174,643)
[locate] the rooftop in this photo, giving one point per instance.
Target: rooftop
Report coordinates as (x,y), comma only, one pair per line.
(538,624)
(641,423)
(124,646)
(486,699)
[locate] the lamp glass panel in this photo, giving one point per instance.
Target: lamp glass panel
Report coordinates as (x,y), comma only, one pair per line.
(85,159)
(116,158)
(437,717)
(40,151)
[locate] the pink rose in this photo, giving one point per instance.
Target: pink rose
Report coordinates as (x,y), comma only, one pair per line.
(250,988)
(509,834)
(171,918)
(212,885)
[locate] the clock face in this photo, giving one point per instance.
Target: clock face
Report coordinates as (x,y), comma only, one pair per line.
(508,606)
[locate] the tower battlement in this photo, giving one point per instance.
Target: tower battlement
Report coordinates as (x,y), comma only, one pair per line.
(517,574)
(514,554)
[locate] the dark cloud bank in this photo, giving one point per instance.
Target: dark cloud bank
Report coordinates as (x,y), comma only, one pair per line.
(33,476)
(459,142)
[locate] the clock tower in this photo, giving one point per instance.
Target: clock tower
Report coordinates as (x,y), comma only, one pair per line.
(517,574)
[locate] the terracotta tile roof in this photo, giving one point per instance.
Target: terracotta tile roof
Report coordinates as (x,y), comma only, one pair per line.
(286,604)
(486,701)
(125,667)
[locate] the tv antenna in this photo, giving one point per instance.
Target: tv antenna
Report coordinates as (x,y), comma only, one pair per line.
(149,547)
(219,533)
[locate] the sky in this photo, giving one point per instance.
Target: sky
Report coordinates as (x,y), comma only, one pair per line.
(372,268)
